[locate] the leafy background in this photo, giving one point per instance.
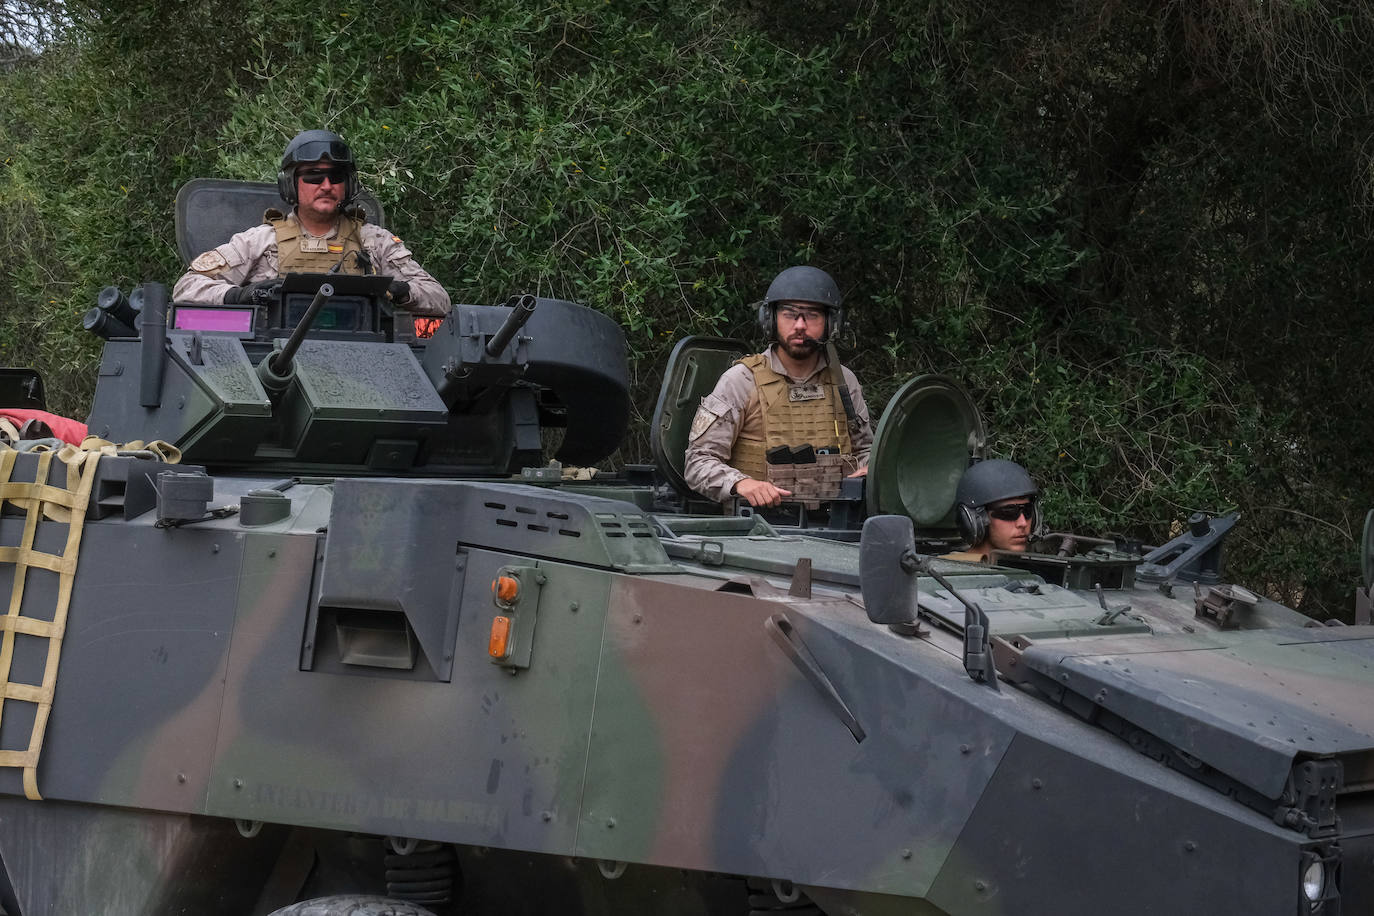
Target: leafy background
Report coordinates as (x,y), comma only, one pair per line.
(1137,232)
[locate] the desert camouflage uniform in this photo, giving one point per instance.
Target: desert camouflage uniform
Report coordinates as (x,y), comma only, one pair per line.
(734,408)
(251,256)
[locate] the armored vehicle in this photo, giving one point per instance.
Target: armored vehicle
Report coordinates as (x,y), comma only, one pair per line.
(320,622)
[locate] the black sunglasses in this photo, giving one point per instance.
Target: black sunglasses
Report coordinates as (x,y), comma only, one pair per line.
(1013,512)
(317,176)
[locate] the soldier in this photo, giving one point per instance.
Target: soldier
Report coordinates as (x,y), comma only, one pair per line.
(996,505)
(318,179)
(794,393)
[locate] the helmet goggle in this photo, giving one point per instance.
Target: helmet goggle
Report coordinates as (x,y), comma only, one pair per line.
(315,150)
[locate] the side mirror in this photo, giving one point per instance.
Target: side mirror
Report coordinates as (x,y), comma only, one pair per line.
(887,569)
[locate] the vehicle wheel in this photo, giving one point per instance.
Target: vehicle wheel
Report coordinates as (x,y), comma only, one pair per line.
(764,899)
(353,905)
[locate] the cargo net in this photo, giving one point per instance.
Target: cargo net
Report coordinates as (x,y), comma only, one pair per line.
(41,501)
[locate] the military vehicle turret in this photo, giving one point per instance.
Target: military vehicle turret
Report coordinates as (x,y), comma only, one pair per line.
(360,644)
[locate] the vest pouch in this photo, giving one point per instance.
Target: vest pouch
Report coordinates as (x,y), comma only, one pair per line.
(814,483)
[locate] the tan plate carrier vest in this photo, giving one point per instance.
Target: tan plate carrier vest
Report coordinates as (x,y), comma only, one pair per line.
(820,422)
(299,252)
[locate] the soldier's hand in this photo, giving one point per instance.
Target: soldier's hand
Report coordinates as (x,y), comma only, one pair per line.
(760,492)
(399,292)
(253,293)
(861,472)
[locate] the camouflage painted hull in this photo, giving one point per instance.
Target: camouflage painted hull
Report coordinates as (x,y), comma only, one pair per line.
(669,705)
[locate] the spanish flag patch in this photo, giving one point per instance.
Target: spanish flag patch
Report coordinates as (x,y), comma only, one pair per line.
(336,248)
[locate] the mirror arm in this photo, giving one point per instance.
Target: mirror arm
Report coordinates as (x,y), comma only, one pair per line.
(977,632)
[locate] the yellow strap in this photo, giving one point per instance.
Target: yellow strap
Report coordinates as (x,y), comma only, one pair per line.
(40,499)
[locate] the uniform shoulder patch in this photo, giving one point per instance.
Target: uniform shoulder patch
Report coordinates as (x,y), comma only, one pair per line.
(209,262)
(703,421)
(712,408)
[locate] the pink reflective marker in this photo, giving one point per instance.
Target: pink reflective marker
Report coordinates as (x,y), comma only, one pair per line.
(240,321)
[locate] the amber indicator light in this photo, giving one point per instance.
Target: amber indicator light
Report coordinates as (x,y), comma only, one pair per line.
(498,646)
(505,589)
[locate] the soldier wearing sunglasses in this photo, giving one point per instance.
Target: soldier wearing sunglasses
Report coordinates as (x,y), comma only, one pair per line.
(996,506)
(794,393)
(318,179)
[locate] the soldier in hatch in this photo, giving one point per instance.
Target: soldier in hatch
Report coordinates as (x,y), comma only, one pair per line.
(318,179)
(794,393)
(996,508)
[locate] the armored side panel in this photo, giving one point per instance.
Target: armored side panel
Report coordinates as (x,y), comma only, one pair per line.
(212,403)
(1216,699)
(359,403)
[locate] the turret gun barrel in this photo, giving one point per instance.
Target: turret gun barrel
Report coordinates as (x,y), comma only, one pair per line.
(281,362)
(522,307)
(276,369)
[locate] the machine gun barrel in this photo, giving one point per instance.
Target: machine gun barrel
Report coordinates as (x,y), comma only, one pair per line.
(281,361)
(276,369)
(522,307)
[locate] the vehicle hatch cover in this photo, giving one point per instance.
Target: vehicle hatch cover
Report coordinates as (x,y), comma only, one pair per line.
(694,366)
(924,442)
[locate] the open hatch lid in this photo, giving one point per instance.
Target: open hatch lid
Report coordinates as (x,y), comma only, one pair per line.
(209,211)
(925,440)
(694,367)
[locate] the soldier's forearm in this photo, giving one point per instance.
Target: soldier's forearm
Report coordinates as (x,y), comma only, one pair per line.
(195,287)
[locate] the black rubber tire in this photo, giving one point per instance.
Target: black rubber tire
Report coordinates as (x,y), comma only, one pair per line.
(353,905)
(764,902)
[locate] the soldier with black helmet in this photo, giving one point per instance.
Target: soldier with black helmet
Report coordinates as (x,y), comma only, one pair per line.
(997,507)
(318,179)
(794,393)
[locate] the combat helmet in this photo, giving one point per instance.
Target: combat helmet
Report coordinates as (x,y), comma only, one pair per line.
(987,482)
(312,146)
(803,284)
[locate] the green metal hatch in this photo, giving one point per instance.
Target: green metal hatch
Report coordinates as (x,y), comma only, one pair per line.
(924,442)
(694,367)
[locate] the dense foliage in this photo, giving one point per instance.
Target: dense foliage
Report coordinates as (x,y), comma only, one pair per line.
(1137,232)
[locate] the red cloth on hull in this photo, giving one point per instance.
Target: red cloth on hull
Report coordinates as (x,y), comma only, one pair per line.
(65,429)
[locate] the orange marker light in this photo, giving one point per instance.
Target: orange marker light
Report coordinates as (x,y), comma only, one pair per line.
(505,589)
(498,646)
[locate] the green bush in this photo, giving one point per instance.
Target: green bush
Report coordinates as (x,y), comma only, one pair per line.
(1135,246)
